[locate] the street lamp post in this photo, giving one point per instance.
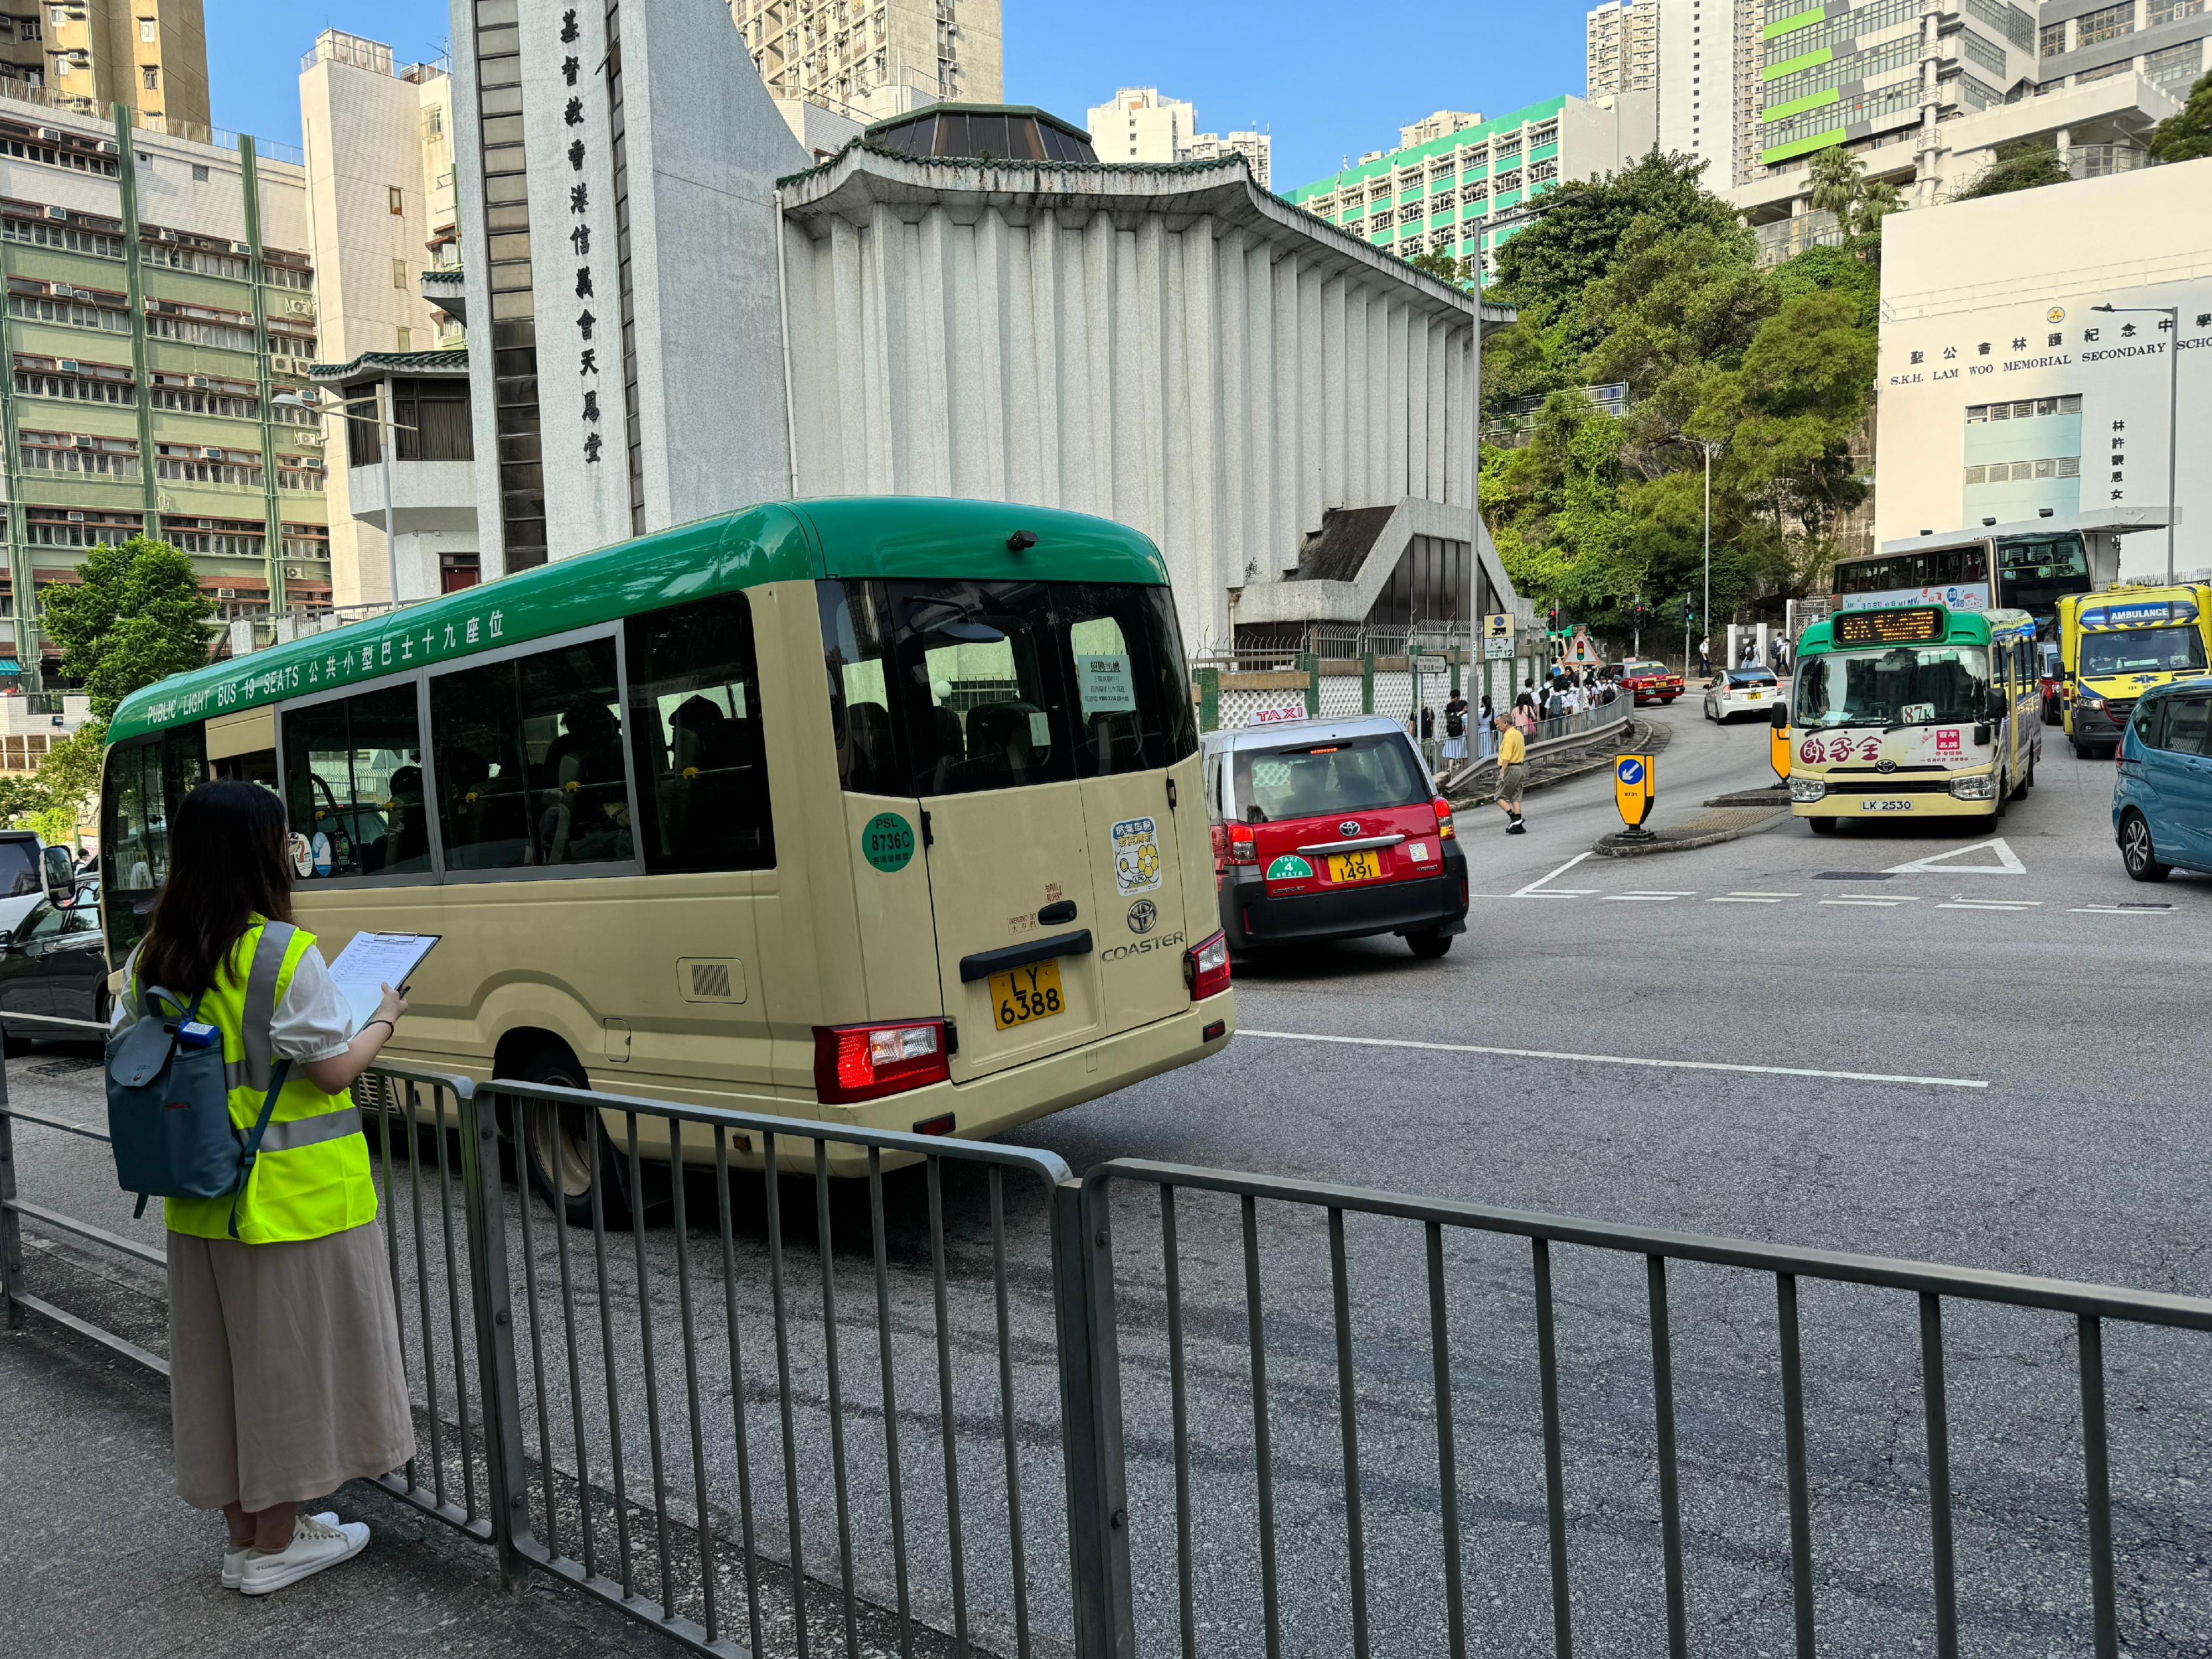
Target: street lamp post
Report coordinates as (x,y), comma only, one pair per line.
(385,426)
(2172,410)
(1709,446)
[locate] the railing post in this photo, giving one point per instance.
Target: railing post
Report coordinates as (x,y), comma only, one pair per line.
(11,1228)
(484,1204)
(1091,1422)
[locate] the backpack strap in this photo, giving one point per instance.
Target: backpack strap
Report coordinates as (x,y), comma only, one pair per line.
(253,1141)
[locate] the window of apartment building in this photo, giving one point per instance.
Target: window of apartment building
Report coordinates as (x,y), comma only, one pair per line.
(239,469)
(206,394)
(42,232)
(404,338)
(149,29)
(66,377)
(54,526)
(394,200)
(2054,38)
(300,472)
(399,273)
(205,325)
(2176,66)
(150,76)
(2106,23)
(178,256)
(2172,11)
(227,538)
(2110,71)
(76,452)
(36,303)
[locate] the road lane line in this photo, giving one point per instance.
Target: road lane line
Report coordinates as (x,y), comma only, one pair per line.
(1619,1060)
(2114,910)
(1531,888)
(1742,898)
(1649,898)
(1882,903)
(1759,892)
(1969,904)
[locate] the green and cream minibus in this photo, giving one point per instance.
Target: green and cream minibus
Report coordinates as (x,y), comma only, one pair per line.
(885,812)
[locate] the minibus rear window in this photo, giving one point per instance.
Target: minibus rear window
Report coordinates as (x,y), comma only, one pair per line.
(949,688)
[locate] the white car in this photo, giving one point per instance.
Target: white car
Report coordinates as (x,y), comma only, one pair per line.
(22,885)
(1741,692)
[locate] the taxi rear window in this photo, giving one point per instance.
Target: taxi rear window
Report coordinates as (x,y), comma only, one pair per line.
(1343,774)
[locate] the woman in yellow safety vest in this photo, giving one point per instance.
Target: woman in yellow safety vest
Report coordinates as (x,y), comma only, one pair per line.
(285,1378)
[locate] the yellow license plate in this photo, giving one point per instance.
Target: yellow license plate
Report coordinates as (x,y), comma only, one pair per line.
(1027,994)
(1355,867)
(1754,696)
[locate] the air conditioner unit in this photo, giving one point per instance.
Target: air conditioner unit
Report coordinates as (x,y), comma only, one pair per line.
(83,440)
(201,381)
(57,213)
(68,365)
(211,454)
(295,572)
(226,592)
(52,135)
(76,517)
(107,146)
(167,234)
(241,247)
(299,308)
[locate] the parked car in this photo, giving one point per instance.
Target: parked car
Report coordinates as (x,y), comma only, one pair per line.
(1326,829)
(2162,786)
(1650,682)
(22,885)
(51,963)
(1741,692)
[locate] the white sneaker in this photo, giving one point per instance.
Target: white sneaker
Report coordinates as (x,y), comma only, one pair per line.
(234,1560)
(316,1544)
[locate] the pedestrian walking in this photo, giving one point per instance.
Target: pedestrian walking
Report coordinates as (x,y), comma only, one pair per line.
(285,1372)
(1428,724)
(1512,763)
(1487,730)
(1456,727)
(1705,654)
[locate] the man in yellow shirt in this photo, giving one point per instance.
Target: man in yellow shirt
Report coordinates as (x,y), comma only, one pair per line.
(1512,754)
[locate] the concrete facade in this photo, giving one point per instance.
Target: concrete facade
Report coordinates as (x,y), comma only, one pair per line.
(1695,46)
(376,137)
(873,59)
(149,56)
(1621,51)
(1139,125)
(2004,396)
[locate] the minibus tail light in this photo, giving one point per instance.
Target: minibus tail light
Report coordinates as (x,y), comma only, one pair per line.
(1241,849)
(1205,967)
(1442,809)
(864,1063)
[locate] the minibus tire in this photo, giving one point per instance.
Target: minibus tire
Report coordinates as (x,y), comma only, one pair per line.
(1825,826)
(571,1195)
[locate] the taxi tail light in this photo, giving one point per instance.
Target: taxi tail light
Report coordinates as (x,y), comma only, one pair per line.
(1443,810)
(865,1062)
(1205,967)
(1242,847)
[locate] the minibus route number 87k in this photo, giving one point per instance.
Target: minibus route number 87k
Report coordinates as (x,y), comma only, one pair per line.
(883,811)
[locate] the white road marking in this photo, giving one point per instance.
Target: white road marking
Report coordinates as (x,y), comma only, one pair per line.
(1652,897)
(1880,903)
(1987,904)
(1742,898)
(1619,1060)
(1530,889)
(2115,910)
(2007,862)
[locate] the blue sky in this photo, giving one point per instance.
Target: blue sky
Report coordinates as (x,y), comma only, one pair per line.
(1284,64)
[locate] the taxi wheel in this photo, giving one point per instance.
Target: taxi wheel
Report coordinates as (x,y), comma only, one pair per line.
(557,1146)
(2137,852)
(1429,946)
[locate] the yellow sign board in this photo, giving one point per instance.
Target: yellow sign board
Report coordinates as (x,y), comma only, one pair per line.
(1777,750)
(1498,627)
(1634,788)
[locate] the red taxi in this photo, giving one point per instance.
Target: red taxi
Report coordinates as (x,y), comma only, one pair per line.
(1326,830)
(1648,682)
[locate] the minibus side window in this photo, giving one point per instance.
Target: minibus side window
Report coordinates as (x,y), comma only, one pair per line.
(702,794)
(531,768)
(145,779)
(353,786)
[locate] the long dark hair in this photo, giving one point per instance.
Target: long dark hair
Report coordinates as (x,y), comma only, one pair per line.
(227,864)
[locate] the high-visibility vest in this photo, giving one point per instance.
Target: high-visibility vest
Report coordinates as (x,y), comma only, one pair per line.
(312,1177)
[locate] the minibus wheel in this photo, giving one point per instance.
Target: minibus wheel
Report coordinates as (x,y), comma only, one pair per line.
(1824,826)
(557,1144)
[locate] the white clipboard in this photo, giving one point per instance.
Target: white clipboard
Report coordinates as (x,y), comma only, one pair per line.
(372,961)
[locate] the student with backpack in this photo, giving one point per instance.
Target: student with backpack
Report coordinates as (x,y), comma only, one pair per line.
(285,1378)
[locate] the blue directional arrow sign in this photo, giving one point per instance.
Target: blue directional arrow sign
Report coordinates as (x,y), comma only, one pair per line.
(1631,771)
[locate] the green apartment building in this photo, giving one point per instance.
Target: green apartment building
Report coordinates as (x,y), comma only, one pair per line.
(1468,192)
(157,307)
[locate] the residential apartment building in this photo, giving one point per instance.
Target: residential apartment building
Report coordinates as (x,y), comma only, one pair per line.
(1140,125)
(160,302)
(1926,97)
(1468,192)
(1438,125)
(149,56)
(1623,47)
(381,225)
(872,59)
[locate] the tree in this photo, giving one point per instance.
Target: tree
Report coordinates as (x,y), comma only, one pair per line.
(2022,164)
(2186,137)
(138,617)
(1456,273)
(1836,177)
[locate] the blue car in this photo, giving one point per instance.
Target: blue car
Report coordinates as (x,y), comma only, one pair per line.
(2162,796)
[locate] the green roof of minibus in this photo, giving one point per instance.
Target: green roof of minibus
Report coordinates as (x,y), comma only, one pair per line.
(916,538)
(1966,626)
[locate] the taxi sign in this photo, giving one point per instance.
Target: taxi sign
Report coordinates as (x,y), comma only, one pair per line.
(1634,788)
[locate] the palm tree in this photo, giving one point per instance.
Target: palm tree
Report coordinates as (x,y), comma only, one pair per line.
(1877,201)
(1836,182)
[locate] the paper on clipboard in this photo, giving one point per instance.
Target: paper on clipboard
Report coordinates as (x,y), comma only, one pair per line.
(372,961)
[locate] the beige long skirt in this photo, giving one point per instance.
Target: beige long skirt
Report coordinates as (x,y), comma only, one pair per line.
(285,1378)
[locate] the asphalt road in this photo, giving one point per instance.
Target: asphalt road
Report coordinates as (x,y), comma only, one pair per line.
(1989,1060)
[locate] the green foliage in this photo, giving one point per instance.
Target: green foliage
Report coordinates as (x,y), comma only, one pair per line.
(63,792)
(138,617)
(2023,164)
(2186,137)
(1643,279)
(1459,273)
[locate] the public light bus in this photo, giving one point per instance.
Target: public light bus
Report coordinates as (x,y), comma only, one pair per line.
(1982,573)
(883,811)
(1916,710)
(2115,645)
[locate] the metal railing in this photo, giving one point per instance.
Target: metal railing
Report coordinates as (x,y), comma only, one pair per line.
(769,1412)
